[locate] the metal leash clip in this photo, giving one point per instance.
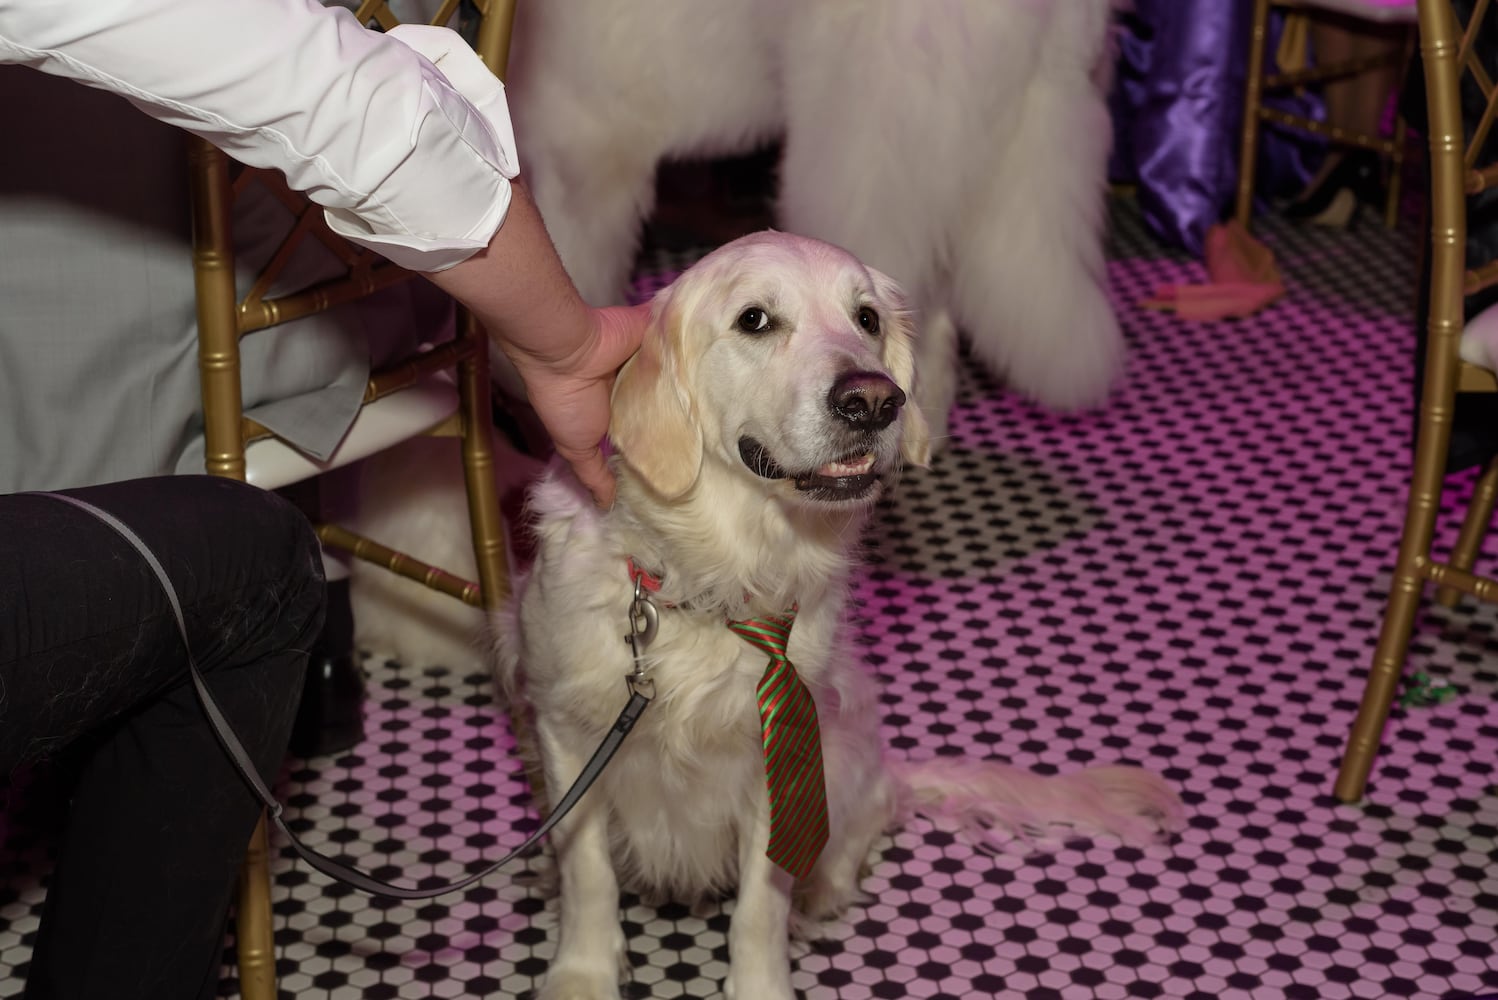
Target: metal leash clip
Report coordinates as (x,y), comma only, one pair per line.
(644,620)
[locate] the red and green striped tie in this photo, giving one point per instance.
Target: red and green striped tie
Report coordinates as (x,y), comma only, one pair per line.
(793,750)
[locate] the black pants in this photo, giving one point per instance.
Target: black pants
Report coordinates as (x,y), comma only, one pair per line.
(91,660)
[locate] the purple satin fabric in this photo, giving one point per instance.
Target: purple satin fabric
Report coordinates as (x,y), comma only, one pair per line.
(1177,106)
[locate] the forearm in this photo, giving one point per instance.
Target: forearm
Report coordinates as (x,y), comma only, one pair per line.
(518,290)
(566,352)
(363,124)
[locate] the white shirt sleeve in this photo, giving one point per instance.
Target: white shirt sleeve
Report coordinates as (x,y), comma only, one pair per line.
(408,158)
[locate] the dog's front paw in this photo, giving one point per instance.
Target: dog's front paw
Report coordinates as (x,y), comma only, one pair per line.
(757,985)
(579,984)
(829,894)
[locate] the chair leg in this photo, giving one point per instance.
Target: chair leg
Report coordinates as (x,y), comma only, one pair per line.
(253,929)
(1474,527)
(487,524)
(1383,683)
(1253,95)
(1396,174)
(1401,135)
(1422,507)
(1408,585)
(485,521)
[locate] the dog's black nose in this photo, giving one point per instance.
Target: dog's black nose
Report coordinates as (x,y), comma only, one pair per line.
(866,400)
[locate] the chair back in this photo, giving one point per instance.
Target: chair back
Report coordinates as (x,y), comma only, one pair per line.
(1458,169)
(1461,105)
(225,315)
(232,305)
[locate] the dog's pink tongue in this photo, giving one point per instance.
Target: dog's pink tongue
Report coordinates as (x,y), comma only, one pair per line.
(847,467)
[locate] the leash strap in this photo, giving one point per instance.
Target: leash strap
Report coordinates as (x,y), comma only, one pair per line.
(240,758)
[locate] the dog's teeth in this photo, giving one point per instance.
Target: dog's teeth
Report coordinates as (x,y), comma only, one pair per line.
(854,467)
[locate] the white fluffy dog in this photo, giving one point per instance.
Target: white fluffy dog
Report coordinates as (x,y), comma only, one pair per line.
(755,429)
(959,146)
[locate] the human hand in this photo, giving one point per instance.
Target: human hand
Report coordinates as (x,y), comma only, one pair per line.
(571,394)
(566,352)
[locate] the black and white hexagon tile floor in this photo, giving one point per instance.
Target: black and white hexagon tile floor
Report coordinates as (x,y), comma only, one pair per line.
(1190,579)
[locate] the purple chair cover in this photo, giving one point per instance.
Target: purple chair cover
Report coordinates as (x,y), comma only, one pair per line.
(1177,107)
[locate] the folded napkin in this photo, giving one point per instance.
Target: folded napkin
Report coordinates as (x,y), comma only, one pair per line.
(1242,278)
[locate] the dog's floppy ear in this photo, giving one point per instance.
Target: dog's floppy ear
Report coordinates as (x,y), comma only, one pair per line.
(899,357)
(652,421)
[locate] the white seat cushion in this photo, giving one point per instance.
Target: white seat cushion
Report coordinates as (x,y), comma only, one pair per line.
(271,463)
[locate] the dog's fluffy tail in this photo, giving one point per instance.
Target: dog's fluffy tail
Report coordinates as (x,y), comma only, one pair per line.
(991,800)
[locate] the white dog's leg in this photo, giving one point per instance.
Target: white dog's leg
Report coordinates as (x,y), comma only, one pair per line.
(937,374)
(758,939)
(591,947)
(1031,284)
(594,199)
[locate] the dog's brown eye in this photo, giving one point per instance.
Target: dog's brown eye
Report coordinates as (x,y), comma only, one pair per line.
(753,320)
(868,319)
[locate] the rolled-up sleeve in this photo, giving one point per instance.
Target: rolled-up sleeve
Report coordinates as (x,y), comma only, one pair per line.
(404,138)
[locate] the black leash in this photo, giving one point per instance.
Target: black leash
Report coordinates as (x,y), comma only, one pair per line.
(242,763)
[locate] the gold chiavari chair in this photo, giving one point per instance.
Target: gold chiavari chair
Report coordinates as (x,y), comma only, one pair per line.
(1258,84)
(1449,53)
(401,401)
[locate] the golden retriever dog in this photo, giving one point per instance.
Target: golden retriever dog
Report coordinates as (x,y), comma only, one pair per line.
(755,429)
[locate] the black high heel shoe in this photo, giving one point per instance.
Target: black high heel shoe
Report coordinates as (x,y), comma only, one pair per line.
(330,718)
(1357,178)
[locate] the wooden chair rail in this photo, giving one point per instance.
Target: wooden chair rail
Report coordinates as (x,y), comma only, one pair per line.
(435,577)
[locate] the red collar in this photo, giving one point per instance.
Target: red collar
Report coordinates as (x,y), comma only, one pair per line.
(643,577)
(649,581)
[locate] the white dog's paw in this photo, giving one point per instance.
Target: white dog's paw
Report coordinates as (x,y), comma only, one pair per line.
(579,984)
(758,985)
(829,895)
(590,970)
(937,383)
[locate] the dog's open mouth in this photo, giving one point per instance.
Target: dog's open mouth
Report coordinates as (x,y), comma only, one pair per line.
(848,478)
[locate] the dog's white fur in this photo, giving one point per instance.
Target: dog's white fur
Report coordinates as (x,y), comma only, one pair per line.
(683,809)
(959,146)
